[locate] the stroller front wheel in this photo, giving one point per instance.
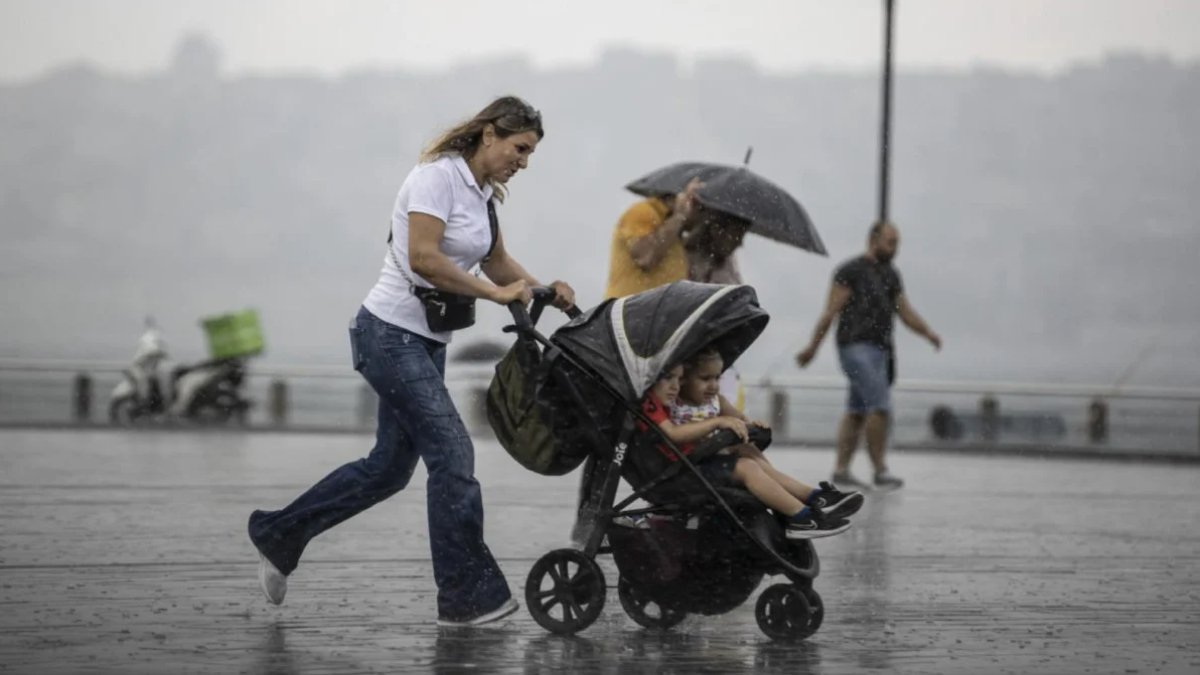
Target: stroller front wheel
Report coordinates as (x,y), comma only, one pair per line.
(783,613)
(565,591)
(645,611)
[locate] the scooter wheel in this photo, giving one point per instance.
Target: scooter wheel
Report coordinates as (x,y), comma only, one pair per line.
(123,412)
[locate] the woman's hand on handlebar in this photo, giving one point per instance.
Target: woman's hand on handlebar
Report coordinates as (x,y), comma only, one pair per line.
(564,295)
(517,291)
(735,425)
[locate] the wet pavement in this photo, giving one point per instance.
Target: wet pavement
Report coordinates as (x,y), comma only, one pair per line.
(126,553)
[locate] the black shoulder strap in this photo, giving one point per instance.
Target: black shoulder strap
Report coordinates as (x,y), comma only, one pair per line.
(493,225)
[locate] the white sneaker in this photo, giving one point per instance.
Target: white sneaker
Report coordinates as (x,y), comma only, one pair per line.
(500,612)
(272,582)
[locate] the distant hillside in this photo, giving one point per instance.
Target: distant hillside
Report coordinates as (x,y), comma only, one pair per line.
(1049,224)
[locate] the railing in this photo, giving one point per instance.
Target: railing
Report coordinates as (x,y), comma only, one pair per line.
(996,414)
(48,392)
(801,410)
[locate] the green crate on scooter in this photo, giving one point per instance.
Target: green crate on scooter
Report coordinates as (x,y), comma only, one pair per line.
(234,335)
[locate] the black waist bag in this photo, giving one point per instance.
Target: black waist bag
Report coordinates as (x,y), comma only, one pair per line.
(446,311)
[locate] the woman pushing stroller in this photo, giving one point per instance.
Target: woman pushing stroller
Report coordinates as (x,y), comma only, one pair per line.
(687,406)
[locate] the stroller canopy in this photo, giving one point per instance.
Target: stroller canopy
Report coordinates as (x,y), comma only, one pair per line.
(630,341)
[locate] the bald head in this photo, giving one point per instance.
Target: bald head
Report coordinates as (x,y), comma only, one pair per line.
(883,241)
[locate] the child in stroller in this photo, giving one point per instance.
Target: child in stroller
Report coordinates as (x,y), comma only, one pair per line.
(687,405)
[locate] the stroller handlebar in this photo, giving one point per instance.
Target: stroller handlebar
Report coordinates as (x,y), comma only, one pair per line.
(526,319)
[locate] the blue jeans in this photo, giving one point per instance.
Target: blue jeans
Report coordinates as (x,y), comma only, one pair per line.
(866,366)
(417,420)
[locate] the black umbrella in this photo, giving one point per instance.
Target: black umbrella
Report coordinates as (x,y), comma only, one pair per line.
(738,191)
(672,179)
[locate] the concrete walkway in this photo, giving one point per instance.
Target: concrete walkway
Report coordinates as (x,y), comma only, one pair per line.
(126,553)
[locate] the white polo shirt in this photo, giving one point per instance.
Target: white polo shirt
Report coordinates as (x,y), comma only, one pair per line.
(445,189)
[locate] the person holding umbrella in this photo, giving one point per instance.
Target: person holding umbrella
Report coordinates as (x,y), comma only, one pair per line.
(698,214)
(714,207)
(647,245)
(711,240)
(865,296)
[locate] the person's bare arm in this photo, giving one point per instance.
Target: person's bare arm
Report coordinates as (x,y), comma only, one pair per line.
(915,323)
(425,256)
(504,269)
(694,431)
(648,251)
(728,409)
(839,295)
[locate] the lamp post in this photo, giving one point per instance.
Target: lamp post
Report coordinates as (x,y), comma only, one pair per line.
(885,123)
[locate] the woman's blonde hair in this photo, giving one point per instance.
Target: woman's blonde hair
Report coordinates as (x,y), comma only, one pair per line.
(508,115)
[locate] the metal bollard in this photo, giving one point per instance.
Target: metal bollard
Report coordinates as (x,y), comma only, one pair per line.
(278,402)
(779,415)
(82,398)
(1097,424)
(989,417)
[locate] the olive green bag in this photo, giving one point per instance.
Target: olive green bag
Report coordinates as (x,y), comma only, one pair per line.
(531,419)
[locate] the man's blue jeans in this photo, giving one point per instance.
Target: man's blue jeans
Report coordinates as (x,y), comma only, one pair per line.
(417,420)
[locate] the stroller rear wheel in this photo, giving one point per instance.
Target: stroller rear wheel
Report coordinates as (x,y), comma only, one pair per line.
(783,613)
(645,611)
(565,591)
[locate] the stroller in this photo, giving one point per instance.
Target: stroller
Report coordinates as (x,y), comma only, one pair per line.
(575,399)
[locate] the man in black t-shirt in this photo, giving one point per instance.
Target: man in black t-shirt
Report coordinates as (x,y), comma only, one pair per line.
(866,293)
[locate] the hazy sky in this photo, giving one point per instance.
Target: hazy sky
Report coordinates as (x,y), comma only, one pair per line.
(331,36)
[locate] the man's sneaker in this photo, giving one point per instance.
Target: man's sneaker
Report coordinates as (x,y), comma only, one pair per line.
(814,526)
(837,504)
(886,479)
(846,479)
(272,582)
(500,612)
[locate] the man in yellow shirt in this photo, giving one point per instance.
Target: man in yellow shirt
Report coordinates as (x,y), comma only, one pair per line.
(647,250)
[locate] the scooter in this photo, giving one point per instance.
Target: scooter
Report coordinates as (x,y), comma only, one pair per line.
(204,392)
(210,392)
